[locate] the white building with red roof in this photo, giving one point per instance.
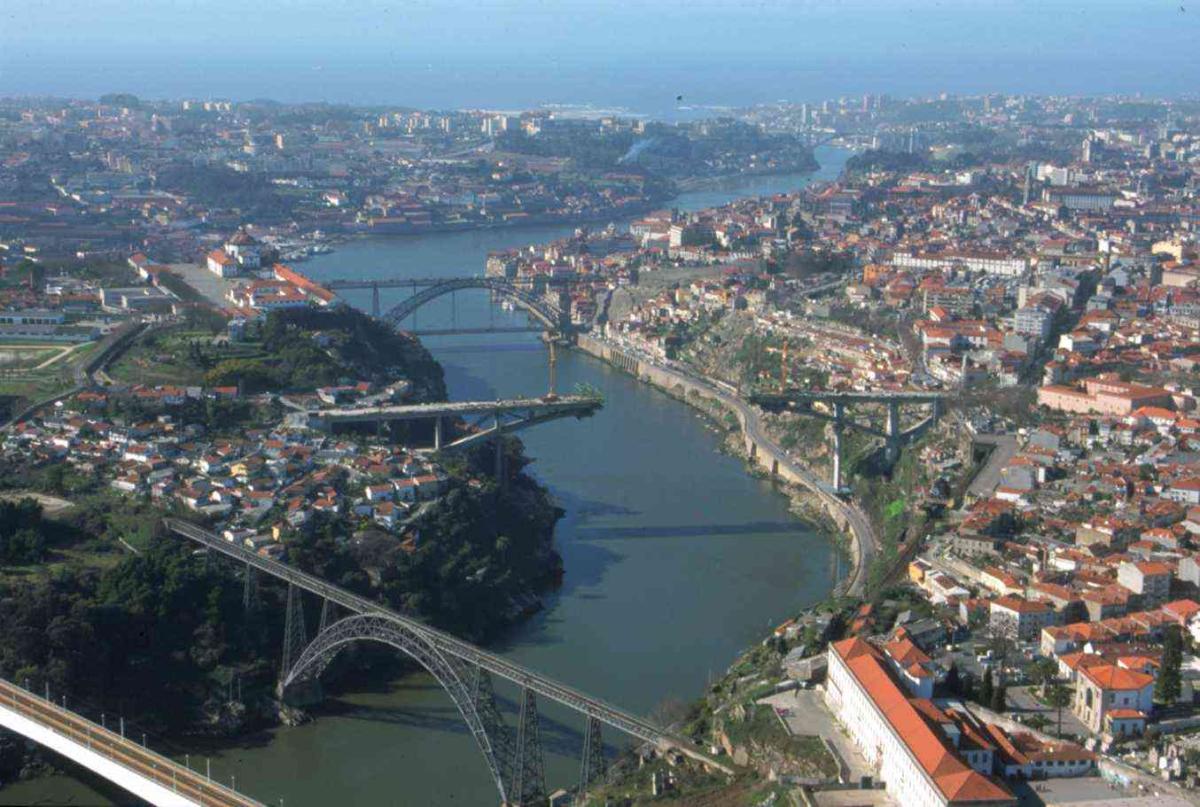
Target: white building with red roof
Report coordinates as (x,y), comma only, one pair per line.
(915,757)
(1112,700)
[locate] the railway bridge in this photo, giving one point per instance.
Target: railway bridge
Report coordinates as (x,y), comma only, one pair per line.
(513,754)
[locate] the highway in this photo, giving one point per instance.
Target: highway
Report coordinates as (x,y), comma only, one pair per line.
(861,532)
(184,785)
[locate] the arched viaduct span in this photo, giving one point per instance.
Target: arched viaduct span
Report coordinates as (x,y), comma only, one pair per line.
(554,317)
(513,756)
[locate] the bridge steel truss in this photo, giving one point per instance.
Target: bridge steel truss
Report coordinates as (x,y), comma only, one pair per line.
(462,669)
(553,317)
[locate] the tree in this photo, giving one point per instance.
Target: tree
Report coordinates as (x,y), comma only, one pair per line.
(1058,696)
(987,688)
(1037,721)
(1168,686)
(999,700)
(1043,672)
(953,682)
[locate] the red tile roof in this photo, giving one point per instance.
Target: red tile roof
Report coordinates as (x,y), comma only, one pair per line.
(1110,676)
(956,780)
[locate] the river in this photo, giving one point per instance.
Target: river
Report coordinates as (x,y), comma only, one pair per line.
(676,559)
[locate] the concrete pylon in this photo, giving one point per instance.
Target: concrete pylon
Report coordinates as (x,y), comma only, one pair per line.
(892,448)
(498,439)
(838,413)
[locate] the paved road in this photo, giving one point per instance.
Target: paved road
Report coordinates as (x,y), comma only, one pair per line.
(804,713)
(1022,704)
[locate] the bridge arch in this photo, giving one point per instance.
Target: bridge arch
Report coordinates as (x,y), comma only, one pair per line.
(321,651)
(549,315)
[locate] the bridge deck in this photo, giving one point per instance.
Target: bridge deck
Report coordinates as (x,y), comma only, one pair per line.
(564,404)
(382,283)
(497,665)
(782,399)
(148,775)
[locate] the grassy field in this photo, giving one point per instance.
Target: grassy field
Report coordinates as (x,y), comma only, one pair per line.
(59,559)
(32,383)
(22,356)
(167,357)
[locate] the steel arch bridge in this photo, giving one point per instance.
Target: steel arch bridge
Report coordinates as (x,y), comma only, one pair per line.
(464,671)
(471,693)
(552,316)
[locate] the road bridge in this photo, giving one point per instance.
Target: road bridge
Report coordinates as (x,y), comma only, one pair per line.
(555,317)
(486,420)
(132,767)
(833,405)
(465,671)
(483,329)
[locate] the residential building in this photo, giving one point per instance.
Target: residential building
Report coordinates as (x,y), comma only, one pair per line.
(1112,700)
(1150,580)
(1018,618)
(914,756)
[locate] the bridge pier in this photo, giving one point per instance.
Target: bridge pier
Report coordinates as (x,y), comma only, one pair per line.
(498,439)
(838,413)
(892,448)
(591,768)
(295,637)
(528,776)
(437,433)
(249,588)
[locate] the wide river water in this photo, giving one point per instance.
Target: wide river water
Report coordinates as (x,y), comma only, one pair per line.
(676,559)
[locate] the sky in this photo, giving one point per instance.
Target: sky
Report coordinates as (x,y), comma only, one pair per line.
(453,53)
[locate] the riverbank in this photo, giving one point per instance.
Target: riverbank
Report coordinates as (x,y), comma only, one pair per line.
(760,452)
(693,187)
(691,184)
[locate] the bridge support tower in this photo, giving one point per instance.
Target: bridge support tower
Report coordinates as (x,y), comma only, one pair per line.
(591,769)
(498,439)
(838,414)
(528,786)
(892,445)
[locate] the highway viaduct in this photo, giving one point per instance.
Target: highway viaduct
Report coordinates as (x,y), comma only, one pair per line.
(134,768)
(486,420)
